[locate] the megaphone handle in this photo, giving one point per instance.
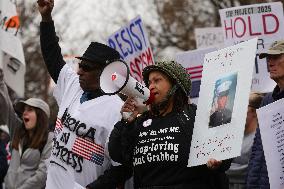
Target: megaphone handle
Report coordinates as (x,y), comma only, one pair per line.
(126,115)
(140,107)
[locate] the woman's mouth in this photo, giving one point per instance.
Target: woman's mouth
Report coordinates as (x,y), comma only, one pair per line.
(26,120)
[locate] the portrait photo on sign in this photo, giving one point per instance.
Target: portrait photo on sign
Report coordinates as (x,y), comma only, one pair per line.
(223,100)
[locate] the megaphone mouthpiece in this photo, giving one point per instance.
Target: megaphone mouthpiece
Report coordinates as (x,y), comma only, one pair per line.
(116,78)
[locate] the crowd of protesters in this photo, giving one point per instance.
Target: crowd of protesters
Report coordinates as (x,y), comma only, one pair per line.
(93,146)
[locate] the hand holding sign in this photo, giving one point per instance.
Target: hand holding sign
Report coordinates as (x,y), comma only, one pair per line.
(213,163)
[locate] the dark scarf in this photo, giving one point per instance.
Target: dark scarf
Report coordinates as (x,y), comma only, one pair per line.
(90,95)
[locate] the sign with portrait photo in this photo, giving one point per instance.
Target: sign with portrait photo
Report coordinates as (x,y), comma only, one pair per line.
(222,104)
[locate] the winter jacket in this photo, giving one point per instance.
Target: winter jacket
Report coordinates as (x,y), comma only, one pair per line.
(257,169)
(27,169)
(122,144)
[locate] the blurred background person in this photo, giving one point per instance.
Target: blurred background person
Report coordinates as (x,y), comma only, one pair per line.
(30,140)
(4,152)
(5,138)
(4,134)
(3,163)
(237,173)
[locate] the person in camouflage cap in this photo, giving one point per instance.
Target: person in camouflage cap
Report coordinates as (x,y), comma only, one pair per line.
(180,85)
(174,70)
(156,144)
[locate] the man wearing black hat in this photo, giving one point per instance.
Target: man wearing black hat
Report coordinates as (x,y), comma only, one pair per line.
(257,169)
(86,116)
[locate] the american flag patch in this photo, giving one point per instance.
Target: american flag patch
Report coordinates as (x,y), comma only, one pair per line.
(88,150)
(58,127)
(195,72)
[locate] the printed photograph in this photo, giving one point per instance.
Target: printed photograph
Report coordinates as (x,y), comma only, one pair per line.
(223,100)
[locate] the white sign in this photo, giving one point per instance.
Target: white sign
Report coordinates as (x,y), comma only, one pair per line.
(193,62)
(222,105)
(271,124)
(209,37)
(264,21)
(14,74)
(131,41)
(13,58)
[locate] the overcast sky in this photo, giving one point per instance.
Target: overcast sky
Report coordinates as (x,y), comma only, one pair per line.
(97,19)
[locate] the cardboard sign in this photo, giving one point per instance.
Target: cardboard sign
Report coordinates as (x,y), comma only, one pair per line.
(209,37)
(222,105)
(264,21)
(13,61)
(131,41)
(271,125)
(193,62)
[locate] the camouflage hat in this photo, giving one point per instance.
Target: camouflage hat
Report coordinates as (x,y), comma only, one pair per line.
(276,48)
(174,70)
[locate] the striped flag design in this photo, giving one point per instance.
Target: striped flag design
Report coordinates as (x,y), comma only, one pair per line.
(195,76)
(195,72)
(89,150)
(58,127)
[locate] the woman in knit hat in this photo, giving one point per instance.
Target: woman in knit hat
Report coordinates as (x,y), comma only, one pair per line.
(31,141)
(157,143)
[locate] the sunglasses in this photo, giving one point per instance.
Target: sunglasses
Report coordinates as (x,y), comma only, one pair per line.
(87,68)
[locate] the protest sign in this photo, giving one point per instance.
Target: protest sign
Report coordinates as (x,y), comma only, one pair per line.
(13,61)
(264,21)
(271,125)
(209,37)
(193,62)
(131,41)
(222,105)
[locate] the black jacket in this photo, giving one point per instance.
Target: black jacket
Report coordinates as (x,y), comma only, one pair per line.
(257,170)
(121,147)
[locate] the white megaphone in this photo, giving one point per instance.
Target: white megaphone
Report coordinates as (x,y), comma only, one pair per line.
(116,78)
